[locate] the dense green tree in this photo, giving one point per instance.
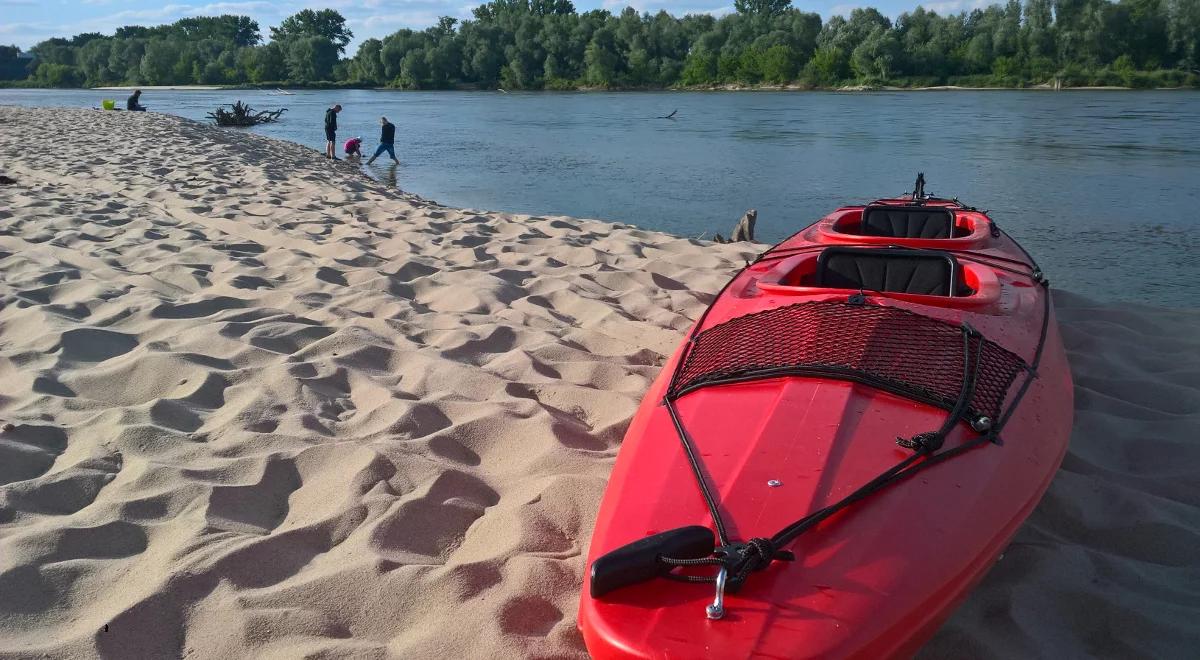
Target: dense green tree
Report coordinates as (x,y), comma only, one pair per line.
(1139,29)
(125,59)
(269,64)
(1183,29)
(81,40)
(876,56)
(601,58)
(55,51)
(367,65)
(700,68)
(94,58)
(779,64)
(483,52)
(133,32)
(159,62)
(1078,30)
(326,24)
(310,58)
(240,31)
(58,75)
(1037,33)
(930,44)
(538,44)
(829,65)
(761,7)
(414,68)
(12,65)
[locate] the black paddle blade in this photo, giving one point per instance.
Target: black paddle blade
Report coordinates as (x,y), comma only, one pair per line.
(638,561)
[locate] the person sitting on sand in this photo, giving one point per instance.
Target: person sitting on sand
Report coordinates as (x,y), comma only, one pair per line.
(132,103)
(387,140)
(353,147)
(331,131)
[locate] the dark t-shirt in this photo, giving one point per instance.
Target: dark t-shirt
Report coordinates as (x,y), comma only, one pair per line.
(330,120)
(132,102)
(388,134)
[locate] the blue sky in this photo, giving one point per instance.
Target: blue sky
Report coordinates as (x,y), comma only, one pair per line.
(26,22)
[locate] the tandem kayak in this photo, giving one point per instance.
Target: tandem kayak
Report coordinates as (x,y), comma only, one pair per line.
(840,449)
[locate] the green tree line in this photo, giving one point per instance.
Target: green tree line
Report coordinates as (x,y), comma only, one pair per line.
(547,44)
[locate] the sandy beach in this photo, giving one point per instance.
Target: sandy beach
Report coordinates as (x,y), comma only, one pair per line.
(256,404)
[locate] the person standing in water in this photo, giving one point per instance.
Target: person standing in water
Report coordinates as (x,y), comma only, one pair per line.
(133,102)
(387,140)
(331,131)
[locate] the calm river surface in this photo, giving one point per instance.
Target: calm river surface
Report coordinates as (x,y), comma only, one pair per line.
(1103,187)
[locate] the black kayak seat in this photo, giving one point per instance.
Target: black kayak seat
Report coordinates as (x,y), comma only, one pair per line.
(923,272)
(908,222)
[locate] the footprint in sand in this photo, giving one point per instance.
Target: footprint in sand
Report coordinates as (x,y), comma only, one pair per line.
(254,508)
(62,492)
(29,450)
(94,345)
(529,616)
(428,528)
(331,275)
(197,309)
(250,282)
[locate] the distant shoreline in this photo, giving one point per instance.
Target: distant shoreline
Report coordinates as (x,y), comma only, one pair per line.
(161,88)
(731,87)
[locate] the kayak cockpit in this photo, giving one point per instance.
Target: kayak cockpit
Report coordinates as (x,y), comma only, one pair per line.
(929,222)
(934,226)
(919,272)
(927,276)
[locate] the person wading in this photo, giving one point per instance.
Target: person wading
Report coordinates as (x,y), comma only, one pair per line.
(387,140)
(331,131)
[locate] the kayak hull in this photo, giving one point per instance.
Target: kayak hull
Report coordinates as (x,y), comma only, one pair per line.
(877,579)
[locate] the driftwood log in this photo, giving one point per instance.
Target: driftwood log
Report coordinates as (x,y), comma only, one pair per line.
(743,230)
(243,115)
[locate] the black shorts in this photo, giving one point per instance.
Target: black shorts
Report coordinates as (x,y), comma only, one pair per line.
(331,134)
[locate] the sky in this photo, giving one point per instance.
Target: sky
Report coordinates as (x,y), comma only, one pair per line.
(26,22)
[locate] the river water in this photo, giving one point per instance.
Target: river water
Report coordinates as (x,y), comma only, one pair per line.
(1103,187)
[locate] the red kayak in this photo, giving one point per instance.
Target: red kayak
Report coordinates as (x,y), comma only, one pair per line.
(841,448)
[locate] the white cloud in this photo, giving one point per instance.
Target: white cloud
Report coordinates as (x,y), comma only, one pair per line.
(956,6)
(406,19)
(617,6)
(842,10)
(20,28)
(166,11)
(247,8)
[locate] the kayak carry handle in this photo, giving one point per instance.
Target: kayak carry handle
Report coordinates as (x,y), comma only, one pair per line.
(639,561)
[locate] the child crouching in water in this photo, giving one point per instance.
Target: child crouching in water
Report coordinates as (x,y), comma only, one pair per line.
(353,147)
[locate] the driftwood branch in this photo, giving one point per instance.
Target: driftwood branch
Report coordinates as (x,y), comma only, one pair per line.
(243,115)
(743,230)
